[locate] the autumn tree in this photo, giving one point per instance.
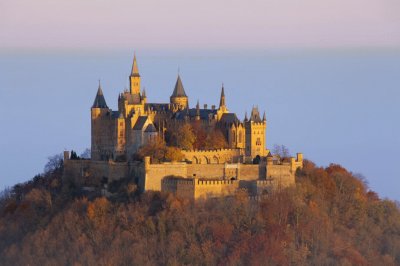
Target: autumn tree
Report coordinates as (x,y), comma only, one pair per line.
(183,137)
(155,148)
(215,140)
(173,154)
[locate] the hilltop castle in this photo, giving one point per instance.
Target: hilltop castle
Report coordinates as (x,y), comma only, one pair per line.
(116,136)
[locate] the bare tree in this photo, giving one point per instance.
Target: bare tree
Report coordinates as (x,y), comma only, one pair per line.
(281,150)
(55,162)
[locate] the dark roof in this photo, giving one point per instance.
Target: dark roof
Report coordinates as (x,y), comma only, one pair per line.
(99,101)
(157,106)
(255,115)
(150,128)
(140,123)
(132,98)
(179,91)
(229,118)
(204,113)
(115,114)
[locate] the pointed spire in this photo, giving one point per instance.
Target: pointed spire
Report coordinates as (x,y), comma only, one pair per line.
(245,116)
(222,99)
(198,105)
(264,117)
(179,91)
(99,101)
(135,68)
(144,93)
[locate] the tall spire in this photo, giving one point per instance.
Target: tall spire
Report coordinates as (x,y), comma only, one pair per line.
(144,93)
(99,101)
(135,68)
(179,91)
(222,100)
(245,117)
(264,117)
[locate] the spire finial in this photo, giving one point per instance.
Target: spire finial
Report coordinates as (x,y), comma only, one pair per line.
(245,116)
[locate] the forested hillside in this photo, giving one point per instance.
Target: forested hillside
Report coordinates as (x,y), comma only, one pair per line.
(329,218)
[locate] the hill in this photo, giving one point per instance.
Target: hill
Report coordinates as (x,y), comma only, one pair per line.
(329,218)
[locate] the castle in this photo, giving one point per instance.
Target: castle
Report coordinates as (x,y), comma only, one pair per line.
(117,136)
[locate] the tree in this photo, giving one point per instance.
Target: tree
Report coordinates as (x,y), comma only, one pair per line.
(173,154)
(155,148)
(55,163)
(86,154)
(183,137)
(215,140)
(201,135)
(281,150)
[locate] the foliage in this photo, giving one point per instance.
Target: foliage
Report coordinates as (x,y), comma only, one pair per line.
(329,218)
(173,154)
(281,150)
(215,140)
(183,137)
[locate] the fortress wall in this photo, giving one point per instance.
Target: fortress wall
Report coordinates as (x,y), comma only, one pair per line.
(154,173)
(88,172)
(281,175)
(249,172)
(214,171)
(185,189)
(213,188)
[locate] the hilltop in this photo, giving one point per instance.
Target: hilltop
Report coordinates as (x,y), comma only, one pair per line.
(329,217)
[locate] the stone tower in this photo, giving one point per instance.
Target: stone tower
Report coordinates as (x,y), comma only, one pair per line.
(134,78)
(179,99)
(255,128)
(102,141)
(222,105)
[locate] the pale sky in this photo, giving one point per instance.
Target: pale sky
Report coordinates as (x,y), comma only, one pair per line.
(199,24)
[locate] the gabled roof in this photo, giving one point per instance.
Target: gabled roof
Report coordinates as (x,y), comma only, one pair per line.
(99,101)
(140,123)
(179,91)
(150,128)
(229,118)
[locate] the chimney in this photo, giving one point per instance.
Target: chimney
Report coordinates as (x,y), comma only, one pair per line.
(205,106)
(213,107)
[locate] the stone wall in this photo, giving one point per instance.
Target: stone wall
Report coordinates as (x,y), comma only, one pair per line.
(217,156)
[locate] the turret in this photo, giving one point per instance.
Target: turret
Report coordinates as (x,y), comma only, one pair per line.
(134,78)
(197,110)
(179,98)
(255,128)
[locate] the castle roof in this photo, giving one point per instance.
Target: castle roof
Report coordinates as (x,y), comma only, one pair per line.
(193,112)
(229,118)
(255,115)
(179,91)
(150,128)
(99,101)
(140,123)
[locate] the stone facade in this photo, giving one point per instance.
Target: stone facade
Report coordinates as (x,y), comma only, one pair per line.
(120,134)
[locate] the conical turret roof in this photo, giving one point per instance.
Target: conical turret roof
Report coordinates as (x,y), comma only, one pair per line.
(179,91)
(99,101)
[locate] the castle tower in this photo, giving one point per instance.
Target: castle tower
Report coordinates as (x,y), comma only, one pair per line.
(100,146)
(255,129)
(134,78)
(179,99)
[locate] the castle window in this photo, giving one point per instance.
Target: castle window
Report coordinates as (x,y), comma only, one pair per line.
(121,124)
(258,142)
(121,134)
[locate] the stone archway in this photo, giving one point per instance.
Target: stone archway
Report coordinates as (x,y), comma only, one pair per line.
(205,160)
(195,160)
(215,160)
